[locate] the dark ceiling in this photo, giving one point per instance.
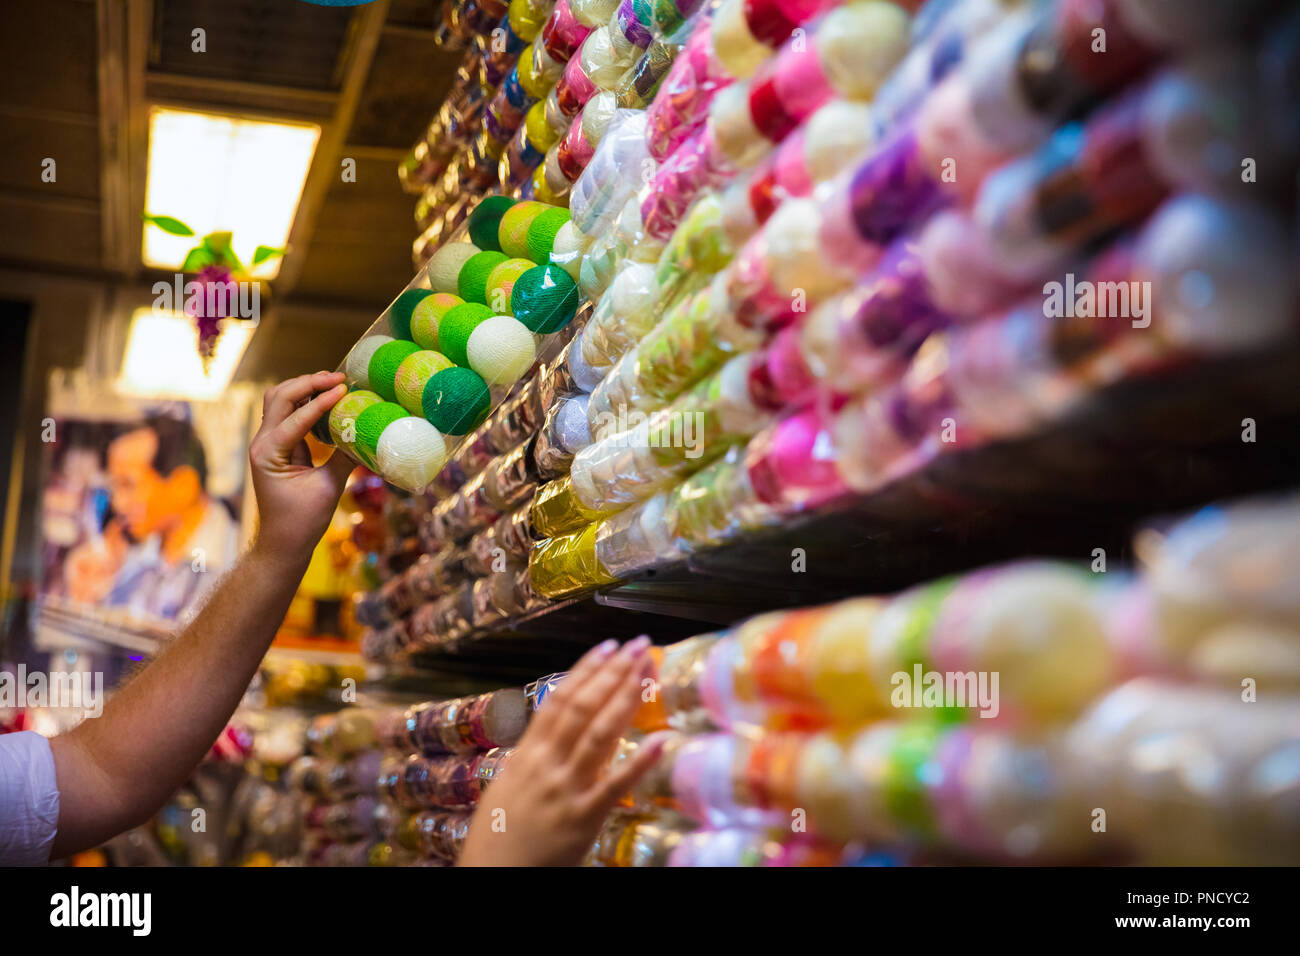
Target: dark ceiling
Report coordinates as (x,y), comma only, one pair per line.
(77,78)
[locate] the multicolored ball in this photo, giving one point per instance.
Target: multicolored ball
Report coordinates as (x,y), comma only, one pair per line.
(426,316)
(471,284)
(456,400)
(456,326)
(513,232)
(357,365)
(501,349)
(383,366)
(542,233)
(501,281)
(485,221)
(413,374)
(410,453)
(444,265)
(399,313)
(545,298)
(343,416)
(370,425)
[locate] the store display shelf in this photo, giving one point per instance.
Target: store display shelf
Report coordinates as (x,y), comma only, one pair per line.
(1135,452)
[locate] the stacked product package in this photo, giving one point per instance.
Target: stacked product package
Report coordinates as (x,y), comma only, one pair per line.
(782,253)
(389,786)
(872,236)
(1036,712)
(1028,713)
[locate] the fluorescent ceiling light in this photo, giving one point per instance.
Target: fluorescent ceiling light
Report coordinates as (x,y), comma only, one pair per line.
(162,356)
(221,173)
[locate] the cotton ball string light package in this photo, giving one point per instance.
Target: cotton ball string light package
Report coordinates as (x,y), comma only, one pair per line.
(453,344)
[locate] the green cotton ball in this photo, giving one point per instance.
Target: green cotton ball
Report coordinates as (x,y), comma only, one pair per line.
(486,219)
(456,400)
(399,313)
(383,366)
(371,424)
(472,281)
(343,416)
(545,298)
(455,327)
(542,232)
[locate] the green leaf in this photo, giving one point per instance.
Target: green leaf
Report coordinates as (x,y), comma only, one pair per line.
(263,253)
(169,225)
(198,258)
(218,242)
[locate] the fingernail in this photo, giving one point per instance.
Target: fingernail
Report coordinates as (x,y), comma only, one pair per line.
(637,646)
(605,648)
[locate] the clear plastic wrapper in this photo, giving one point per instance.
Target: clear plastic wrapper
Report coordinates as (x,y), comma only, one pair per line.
(605,185)
(682,103)
(564,433)
(697,336)
(440,834)
(625,313)
(563,33)
(567,565)
(593,13)
(631,461)
(481,349)
(556,510)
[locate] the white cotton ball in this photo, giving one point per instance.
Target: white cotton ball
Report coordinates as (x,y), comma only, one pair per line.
(410,453)
(566,251)
(571,426)
(357,367)
(501,349)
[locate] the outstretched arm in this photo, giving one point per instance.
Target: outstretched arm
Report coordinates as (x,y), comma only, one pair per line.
(115,771)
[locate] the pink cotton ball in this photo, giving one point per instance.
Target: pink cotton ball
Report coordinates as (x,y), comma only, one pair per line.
(960,272)
(795,466)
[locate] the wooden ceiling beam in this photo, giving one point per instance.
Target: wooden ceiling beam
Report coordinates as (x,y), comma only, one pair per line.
(288,102)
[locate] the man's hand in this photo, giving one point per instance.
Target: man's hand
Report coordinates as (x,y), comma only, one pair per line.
(547,805)
(295,500)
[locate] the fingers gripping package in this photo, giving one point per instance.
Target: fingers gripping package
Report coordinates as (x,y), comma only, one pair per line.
(453,344)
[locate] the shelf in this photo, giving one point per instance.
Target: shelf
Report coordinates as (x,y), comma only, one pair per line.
(1137,451)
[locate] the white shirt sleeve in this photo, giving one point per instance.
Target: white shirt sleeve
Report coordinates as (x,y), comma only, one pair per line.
(29,799)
